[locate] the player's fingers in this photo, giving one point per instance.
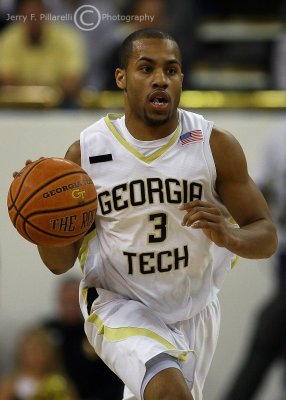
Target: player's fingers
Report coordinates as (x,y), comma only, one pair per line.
(193,204)
(16,173)
(27,162)
(30,161)
(206,224)
(209,215)
(200,212)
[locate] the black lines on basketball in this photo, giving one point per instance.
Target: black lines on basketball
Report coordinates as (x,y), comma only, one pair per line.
(54,180)
(52,203)
(29,168)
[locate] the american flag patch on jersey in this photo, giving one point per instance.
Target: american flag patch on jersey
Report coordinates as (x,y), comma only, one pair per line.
(191,137)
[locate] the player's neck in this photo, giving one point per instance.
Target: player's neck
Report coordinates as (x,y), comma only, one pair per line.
(145,132)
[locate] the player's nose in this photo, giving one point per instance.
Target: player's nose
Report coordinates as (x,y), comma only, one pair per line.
(160,79)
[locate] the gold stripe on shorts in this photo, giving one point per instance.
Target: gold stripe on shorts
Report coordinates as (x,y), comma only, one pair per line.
(116,334)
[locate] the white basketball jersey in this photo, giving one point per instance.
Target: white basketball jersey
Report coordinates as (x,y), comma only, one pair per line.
(140,249)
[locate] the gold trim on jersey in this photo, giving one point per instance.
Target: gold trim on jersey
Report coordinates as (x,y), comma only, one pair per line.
(136,153)
(234,261)
(83,251)
(84,295)
(116,334)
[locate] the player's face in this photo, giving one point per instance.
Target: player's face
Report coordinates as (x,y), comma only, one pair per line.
(152,82)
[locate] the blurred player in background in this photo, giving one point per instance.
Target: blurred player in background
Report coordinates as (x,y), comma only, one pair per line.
(100,41)
(268,342)
(37,51)
(91,377)
(37,372)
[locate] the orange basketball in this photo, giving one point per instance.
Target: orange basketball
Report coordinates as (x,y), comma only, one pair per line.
(52,202)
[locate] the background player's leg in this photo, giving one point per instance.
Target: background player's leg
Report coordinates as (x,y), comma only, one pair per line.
(168,384)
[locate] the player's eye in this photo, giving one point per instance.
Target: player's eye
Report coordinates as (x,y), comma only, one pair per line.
(172,70)
(145,68)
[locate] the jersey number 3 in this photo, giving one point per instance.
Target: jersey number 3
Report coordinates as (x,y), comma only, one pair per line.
(160,228)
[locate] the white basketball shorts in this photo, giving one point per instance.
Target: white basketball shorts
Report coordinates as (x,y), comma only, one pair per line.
(126,335)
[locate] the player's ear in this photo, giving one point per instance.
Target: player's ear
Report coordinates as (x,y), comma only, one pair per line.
(120,77)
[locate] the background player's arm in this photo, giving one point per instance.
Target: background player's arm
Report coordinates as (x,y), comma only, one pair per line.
(61,259)
(256,237)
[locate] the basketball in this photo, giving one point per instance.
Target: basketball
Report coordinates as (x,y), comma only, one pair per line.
(52,202)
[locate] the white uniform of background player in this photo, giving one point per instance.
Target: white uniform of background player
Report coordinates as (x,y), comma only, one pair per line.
(157,281)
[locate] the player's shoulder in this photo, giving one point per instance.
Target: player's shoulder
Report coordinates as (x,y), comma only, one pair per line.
(187,114)
(227,152)
(191,120)
(223,140)
(101,127)
(97,126)
(98,123)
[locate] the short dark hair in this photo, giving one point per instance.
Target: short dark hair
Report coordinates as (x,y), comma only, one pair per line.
(126,47)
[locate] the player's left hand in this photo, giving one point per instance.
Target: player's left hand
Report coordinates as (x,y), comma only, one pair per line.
(208,217)
(16,173)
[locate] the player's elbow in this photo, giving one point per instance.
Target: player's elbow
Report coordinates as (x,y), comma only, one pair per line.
(274,243)
(60,271)
(57,268)
(59,259)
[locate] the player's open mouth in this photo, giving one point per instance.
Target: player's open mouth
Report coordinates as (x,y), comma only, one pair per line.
(159,99)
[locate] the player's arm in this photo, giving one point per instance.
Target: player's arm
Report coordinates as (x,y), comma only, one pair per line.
(61,259)
(256,236)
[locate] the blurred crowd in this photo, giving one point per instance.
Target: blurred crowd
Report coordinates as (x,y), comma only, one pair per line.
(72,44)
(54,361)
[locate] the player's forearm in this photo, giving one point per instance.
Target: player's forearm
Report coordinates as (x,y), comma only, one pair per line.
(256,240)
(59,259)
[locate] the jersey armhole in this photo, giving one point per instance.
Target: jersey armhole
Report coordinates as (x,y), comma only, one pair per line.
(209,156)
(82,151)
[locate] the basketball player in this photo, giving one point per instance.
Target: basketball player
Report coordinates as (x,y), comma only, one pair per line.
(168,183)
